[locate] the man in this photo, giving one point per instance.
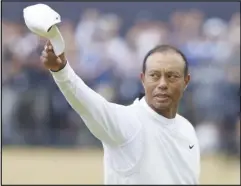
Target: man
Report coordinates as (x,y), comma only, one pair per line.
(146,142)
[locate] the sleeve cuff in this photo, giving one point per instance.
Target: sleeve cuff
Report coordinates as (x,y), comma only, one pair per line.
(64,74)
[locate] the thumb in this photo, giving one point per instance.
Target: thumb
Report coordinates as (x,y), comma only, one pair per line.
(49,45)
(59,61)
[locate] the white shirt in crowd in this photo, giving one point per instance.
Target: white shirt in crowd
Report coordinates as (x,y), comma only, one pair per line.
(140,146)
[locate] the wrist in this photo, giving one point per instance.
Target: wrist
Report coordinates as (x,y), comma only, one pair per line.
(61,65)
(59,68)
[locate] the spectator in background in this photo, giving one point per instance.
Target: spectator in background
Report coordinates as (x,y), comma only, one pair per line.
(94,65)
(229,113)
(125,65)
(68,30)
(234,31)
(103,57)
(86,28)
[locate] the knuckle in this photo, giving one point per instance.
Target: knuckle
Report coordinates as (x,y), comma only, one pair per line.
(45,54)
(43,59)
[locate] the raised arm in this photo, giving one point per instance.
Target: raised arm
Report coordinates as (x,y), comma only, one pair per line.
(111,123)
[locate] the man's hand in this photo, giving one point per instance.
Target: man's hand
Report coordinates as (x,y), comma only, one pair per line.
(50,60)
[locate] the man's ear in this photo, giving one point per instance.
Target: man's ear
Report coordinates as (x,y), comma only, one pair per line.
(187,80)
(142,76)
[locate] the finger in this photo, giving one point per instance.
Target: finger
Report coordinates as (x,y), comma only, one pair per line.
(48,43)
(48,54)
(59,61)
(43,59)
(44,53)
(50,47)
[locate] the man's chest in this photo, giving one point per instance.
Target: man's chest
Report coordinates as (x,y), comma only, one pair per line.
(170,140)
(156,156)
(155,147)
(170,152)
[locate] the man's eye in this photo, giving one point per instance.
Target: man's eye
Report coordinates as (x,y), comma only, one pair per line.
(172,76)
(154,75)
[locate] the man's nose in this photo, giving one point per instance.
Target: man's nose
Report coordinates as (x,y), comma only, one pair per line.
(162,83)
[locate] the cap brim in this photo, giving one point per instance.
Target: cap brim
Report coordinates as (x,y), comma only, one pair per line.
(57,41)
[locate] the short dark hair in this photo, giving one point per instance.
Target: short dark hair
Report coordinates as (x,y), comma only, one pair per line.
(165,48)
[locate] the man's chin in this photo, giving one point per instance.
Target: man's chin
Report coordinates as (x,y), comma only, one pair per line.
(162,105)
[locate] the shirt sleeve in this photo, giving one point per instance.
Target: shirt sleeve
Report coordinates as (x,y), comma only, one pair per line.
(111,123)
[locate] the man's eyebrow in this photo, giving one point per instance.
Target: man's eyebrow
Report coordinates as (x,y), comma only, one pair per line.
(154,71)
(173,71)
(167,71)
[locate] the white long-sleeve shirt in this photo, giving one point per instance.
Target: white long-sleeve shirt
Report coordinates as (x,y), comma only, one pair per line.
(140,146)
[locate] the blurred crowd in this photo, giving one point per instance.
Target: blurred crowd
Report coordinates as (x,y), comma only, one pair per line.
(109,60)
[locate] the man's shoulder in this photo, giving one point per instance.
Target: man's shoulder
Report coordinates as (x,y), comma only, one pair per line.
(125,107)
(133,105)
(186,128)
(185,122)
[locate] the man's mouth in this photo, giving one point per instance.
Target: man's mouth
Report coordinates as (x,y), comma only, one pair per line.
(162,96)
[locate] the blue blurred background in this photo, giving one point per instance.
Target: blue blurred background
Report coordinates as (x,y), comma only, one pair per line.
(105,44)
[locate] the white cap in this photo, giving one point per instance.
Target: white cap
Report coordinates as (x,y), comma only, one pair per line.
(42,20)
(57,40)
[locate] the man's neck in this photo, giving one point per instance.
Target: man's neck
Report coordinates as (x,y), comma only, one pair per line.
(170,114)
(167,113)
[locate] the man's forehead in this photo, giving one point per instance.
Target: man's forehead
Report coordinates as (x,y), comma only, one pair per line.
(166,60)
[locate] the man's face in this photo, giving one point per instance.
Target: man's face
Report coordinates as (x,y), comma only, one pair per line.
(164,81)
